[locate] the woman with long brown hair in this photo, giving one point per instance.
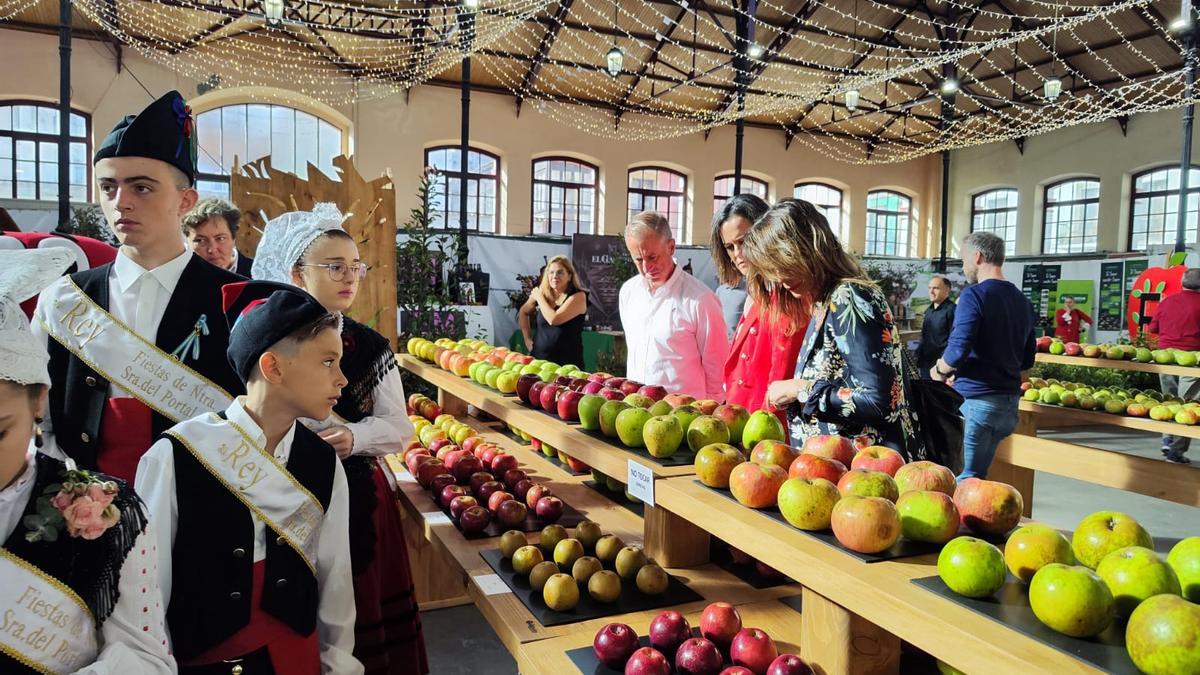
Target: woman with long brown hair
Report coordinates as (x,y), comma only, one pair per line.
(848,377)
(552,318)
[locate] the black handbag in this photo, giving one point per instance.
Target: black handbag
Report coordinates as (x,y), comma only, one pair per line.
(936,418)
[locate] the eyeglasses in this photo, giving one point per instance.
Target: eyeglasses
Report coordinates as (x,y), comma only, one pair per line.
(337,270)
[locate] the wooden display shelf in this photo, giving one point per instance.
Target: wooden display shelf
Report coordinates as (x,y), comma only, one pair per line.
(1088,362)
(856,613)
(1048,413)
(549,657)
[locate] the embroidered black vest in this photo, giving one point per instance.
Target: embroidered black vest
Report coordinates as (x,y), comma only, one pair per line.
(213,556)
(79,393)
(90,568)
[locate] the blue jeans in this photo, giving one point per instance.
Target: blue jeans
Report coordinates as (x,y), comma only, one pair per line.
(987,420)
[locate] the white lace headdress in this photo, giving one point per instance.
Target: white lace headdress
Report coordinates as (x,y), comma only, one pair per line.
(23,274)
(286,238)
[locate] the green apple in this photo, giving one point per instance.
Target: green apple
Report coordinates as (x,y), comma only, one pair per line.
(630,423)
(686,414)
(608,416)
(762,426)
(1071,599)
(1134,574)
(807,503)
(1103,532)
(1163,636)
(589,411)
(971,567)
(927,515)
(660,408)
(1185,358)
(1184,558)
(662,435)
(706,430)
(1034,546)
(639,401)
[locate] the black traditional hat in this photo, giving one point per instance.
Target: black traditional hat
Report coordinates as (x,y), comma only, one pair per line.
(163,131)
(261,313)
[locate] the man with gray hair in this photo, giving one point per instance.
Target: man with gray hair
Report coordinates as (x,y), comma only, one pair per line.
(1177,324)
(211,230)
(674,329)
(990,345)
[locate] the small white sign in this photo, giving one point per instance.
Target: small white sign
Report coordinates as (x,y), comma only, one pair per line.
(639,480)
(436,518)
(491,584)
(404,477)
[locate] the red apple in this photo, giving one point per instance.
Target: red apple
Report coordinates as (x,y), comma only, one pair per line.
(667,631)
(549,509)
(789,664)
(925,476)
(497,498)
(470,443)
(615,383)
(449,492)
(614,644)
(577,384)
(612,394)
(474,519)
(773,452)
(466,466)
(514,476)
(988,507)
(486,490)
(737,670)
(521,489)
(866,524)
(536,493)
(697,656)
(549,397)
(428,470)
(525,386)
(878,458)
(535,393)
(440,481)
(511,512)
(488,454)
(563,381)
(719,622)
(438,444)
(833,447)
(489,449)
(599,377)
(451,458)
(647,661)
(629,387)
(654,391)
(503,463)
(815,466)
(676,400)
(577,466)
(479,478)
(1044,342)
(592,387)
(753,649)
(1072,349)
(415,460)
(766,571)
(460,504)
(568,405)
(756,485)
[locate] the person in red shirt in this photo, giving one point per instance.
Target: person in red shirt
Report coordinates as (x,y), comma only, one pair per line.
(1068,321)
(1177,324)
(761,351)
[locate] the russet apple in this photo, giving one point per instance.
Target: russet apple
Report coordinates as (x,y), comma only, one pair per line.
(868,483)
(807,503)
(831,446)
(865,524)
(879,458)
(773,452)
(706,430)
(1072,600)
(1134,574)
(989,508)
(1031,547)
(924,475)
(756,485)
(807,465)
(714,463)
(1161,636)
(753,649)
(1184,558)
(1103,532)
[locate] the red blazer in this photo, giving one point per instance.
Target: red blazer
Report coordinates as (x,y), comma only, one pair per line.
(1068,331)
(760,354)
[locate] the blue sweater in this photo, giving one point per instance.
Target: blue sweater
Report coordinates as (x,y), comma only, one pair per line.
(992,339)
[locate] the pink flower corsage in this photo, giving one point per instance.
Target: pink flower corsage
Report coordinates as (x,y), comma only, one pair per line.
(82,504)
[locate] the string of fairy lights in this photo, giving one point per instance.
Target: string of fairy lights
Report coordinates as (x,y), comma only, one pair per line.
(865,81)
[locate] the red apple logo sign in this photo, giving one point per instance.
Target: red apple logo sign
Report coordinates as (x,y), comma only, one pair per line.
(1161,280)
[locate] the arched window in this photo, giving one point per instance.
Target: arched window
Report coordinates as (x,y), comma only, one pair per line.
(29,152)
(889,223)
(564,196)
(995,211)
(723,189)
(662,190)
(828,201)
(244,132)
(482,175)
(1071,212)
(1154,207)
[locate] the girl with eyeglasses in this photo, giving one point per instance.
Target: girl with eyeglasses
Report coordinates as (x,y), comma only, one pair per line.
(311,250)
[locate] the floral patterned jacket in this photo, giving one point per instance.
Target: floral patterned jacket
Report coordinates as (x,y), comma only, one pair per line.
(851,357)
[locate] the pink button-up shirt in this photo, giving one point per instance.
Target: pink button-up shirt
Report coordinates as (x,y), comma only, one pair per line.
(675,336)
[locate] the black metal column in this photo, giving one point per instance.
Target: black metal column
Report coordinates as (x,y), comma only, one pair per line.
(941,264)
(1189,113)
(741,65)
(64,113)
(466,27)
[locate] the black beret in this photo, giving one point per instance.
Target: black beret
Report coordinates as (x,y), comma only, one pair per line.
(260,314)
(164,131)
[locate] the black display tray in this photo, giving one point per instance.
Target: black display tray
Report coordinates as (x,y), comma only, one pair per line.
(903,548)
(570,518)
(719,555)
(636,508)
(1010,606)
(630,600)
(585,659)
(561,464)
(682,457)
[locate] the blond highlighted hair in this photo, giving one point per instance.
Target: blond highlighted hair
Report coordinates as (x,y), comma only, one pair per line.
(572,283)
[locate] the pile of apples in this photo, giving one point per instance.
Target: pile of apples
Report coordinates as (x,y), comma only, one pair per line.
(1166,357)
(1107,571)
(478,482)
(869,505)
(559,566)
(423,407)
(1117,401)
(724,648)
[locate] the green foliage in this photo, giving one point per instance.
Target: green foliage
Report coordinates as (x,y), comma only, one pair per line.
(518,297)
(88,221)
(614,361)
(1096,377)
(622,268)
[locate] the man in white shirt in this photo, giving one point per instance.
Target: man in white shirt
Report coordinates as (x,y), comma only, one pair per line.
(674,330)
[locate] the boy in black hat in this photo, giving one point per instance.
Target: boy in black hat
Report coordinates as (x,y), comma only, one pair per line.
(252,507)
(139,344)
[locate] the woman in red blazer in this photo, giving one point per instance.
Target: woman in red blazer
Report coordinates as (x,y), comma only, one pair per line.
(761,350)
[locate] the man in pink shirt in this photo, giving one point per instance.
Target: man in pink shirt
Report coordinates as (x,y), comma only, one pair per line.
(1177,325)
(674,329)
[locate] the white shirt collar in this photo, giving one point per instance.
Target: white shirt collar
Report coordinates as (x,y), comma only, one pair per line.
(667,285)
(233,263)
(236,413)
(15,497)
(167,274)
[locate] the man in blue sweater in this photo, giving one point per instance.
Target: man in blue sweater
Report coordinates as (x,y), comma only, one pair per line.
(991,343)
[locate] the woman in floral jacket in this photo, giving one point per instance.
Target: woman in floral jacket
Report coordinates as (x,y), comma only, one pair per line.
(848,375)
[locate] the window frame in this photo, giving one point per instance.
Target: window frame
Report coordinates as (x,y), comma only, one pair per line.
(719,201)
(908,246)
(465,177)
(1134,196)
(1010,247)
(682,194)
(842,230)
(37,138)
(1046,205)
(534,181)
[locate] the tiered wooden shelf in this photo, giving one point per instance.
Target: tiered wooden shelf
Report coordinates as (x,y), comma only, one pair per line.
(1122,364)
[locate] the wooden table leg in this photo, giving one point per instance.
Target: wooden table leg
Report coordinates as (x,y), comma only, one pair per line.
(673,541)
(451,404)
(435,579)
(835,641)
